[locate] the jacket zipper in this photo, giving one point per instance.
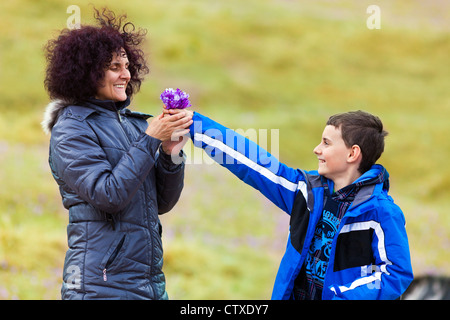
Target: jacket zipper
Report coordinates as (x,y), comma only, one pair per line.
(123,123)
(112,257)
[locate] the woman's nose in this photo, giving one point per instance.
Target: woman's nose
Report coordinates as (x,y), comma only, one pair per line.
(125,74)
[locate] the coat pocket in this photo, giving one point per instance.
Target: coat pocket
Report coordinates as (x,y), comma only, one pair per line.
(111,255)
(354,249)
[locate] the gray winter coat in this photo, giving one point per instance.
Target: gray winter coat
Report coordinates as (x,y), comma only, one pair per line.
(114,181)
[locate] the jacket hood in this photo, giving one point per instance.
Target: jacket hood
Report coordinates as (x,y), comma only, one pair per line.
(376,175)
(55,107)
(52,111)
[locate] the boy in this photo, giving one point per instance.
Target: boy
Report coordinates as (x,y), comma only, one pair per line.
(347,237)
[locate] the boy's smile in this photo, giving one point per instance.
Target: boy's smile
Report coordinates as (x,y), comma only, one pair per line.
(335,158)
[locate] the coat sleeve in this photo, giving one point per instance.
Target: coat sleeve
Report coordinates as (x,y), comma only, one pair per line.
(169,180)
(391,273)
(248,161)
(81,163)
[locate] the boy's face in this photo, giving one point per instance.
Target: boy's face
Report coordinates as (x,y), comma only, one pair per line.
(332,154)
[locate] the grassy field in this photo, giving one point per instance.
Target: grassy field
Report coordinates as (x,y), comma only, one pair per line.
(269,64)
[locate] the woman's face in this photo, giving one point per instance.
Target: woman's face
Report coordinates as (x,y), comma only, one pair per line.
(116,79)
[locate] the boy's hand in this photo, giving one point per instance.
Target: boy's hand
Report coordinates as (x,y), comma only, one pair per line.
(168,112)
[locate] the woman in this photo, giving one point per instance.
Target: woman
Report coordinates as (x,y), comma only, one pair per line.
(114,170)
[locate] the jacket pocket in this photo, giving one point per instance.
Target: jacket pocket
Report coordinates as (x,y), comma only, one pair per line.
(111,255)
(353,249)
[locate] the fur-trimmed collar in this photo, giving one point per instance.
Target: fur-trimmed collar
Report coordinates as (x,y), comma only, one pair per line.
(51,114)
(56,107)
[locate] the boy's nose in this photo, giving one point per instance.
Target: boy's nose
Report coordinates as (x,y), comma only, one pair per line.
(316,150)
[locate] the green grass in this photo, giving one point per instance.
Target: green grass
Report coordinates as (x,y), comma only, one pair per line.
(31,225)
(284,65)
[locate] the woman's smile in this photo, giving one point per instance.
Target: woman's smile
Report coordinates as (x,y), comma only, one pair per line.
(117,76)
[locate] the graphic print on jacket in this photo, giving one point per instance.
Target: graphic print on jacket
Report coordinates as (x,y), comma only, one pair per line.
(316,262)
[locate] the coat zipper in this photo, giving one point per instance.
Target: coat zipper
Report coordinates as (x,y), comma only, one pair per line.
(112,257)
(122,124)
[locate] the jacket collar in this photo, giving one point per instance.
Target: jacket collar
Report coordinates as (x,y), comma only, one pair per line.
(107,104)
(55,107)
(52,112)
(372,181)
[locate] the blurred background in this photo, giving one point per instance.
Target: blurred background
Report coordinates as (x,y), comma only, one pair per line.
(261,64)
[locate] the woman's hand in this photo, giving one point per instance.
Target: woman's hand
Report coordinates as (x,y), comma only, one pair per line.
(165,128)
(171,130)
(174,145)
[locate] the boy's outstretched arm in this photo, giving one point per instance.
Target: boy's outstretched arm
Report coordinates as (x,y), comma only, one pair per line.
(248,161)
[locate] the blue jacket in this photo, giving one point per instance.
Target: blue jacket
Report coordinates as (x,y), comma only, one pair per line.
(114,182)
(369,258)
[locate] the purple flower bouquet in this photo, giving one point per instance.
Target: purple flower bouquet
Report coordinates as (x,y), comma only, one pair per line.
(175,99)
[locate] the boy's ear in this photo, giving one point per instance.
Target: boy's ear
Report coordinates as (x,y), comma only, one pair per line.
(355,154)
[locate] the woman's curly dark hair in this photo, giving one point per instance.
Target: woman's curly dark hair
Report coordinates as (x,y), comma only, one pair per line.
(78,58)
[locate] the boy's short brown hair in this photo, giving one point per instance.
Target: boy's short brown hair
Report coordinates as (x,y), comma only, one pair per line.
(363,129)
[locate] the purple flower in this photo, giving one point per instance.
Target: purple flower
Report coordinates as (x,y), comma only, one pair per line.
(175,99)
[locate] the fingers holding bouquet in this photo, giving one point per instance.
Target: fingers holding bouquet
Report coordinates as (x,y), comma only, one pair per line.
(163,128)
(175,102)
(172,126)
(169,112)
